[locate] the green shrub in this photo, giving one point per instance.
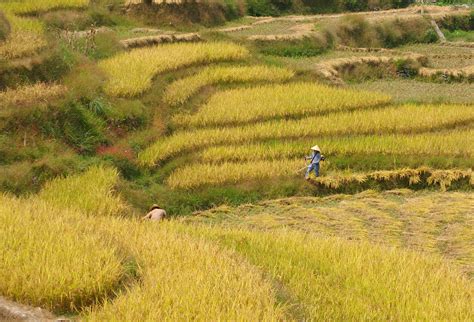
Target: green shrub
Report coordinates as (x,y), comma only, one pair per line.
(306,47)
(105,45)
(81,128)
(128,115)
(457,22)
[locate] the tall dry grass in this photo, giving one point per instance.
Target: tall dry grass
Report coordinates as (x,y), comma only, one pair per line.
(396,119)
(131,73)
(264,102)
(31,94)
(181,90)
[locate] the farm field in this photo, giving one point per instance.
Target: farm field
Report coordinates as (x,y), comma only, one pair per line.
(209,111)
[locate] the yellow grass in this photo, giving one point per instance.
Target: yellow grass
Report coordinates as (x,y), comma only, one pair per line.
(31,94)
(31,6)
(332,279)
(451,143)
(132,73)
(265,102)
(48,260)
(90,193)
(181,90)
(197,175)
(395,119)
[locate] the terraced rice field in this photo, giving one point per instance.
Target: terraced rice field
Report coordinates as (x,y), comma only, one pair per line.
(273,101)
(241,270)
(181,90)
(435,223)
(394,119)
(33,6)
(451,143)
(132,73)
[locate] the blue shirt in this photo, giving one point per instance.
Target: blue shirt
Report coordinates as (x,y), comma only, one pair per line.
(315,157)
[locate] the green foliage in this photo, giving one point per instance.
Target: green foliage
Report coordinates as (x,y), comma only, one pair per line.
(105,45)
(457,22)
(306,47)
(128,115)
(81,128)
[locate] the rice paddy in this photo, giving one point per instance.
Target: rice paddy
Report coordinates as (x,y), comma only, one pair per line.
(238,272)
(395,119)
(33,6)
(292,100)
(456,143)
(202,174)
(181,90)
(131,73)
(434,223)
(77,245)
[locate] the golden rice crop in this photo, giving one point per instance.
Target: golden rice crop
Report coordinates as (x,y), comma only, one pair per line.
(90,193)
(451,143)
(131,73)
(31,94)
(48,260)
(398,218)
(197,175)
(31,6)
(63,260)
(396,119)
(332,279)
(182,278)
(181,90)
(264,102)
(202,174)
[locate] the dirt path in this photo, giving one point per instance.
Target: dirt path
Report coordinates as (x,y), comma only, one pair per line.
(11,311)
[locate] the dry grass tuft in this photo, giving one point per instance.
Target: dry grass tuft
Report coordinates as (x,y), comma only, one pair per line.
(31,94)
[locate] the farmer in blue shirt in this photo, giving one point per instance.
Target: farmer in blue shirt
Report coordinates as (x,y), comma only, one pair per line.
(315,158)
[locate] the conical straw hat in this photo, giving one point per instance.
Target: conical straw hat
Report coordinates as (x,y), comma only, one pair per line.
(316,148)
